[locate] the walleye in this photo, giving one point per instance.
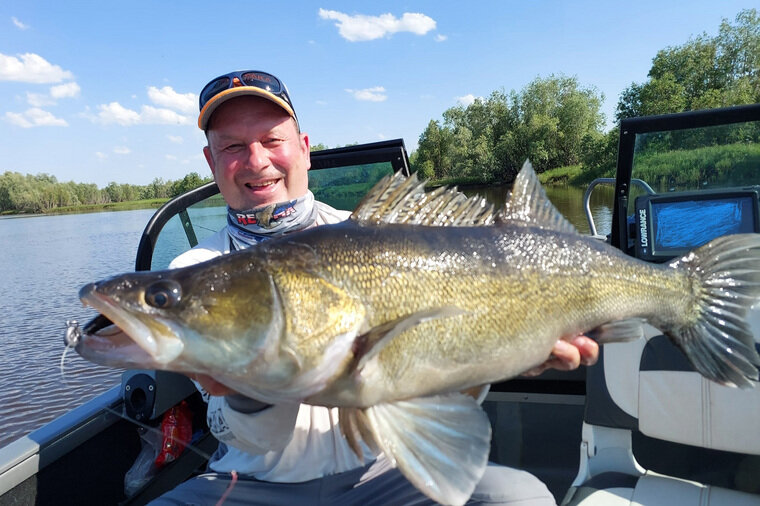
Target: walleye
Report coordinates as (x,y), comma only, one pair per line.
(418,296)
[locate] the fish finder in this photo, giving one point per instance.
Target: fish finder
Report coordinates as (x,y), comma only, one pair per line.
(670,224)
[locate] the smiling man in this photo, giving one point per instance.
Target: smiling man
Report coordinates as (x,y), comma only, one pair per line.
(296,453)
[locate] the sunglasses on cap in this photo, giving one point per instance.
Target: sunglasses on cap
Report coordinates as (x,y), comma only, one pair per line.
(261,80)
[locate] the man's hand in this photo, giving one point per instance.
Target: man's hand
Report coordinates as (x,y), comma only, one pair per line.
(235,400)
(568,355)
(212,386)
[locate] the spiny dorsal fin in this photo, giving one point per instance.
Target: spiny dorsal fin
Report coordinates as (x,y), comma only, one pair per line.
(528,204)
(398,199)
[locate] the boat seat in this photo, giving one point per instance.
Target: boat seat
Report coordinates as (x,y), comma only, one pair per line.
(656,432)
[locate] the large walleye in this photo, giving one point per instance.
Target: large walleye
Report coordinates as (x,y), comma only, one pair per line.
(418,296)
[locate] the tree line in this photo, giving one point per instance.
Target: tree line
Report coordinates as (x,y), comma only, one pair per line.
(43,192)
(557,121)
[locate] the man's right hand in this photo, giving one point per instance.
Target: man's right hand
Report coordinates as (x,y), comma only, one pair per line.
(235,400)
(212,386)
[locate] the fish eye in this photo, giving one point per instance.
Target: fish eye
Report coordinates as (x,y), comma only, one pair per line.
(163,294)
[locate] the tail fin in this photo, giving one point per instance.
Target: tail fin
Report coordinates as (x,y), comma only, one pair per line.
(720,344)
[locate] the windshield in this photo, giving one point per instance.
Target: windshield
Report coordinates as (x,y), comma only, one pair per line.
(705,158)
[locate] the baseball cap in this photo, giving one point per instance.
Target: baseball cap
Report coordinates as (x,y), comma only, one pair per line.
(240,83)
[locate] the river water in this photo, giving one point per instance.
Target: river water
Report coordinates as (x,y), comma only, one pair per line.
(44,260)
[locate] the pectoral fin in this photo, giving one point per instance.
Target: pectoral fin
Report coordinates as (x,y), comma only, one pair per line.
(439,443)
(369,344)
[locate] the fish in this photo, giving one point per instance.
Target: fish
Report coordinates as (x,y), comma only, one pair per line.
(392,314)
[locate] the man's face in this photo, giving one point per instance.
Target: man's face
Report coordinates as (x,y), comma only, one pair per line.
(256,154)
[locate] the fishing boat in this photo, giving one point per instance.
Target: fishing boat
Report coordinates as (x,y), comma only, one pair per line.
(639,427)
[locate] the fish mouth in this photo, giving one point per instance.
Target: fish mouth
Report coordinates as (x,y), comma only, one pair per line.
(103,342)
(115,333)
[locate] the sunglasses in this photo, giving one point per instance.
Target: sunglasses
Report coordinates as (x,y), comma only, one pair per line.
(254,78)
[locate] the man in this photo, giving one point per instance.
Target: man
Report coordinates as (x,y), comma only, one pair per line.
(291,454)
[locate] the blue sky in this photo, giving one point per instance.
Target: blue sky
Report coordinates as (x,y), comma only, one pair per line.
(99,91)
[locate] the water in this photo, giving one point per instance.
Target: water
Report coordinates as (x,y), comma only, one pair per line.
(45,260)
(569,201)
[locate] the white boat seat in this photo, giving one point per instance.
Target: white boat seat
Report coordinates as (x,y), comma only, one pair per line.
(648,388)
(618,489)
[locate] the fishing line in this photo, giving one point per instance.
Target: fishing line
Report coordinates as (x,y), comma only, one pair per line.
(63,358)
(228,489)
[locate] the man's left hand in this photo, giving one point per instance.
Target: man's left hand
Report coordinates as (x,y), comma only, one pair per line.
(569,354)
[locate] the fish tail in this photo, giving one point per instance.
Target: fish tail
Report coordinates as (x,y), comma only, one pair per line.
(717,339)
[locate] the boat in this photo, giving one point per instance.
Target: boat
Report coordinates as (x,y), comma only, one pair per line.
(639,427)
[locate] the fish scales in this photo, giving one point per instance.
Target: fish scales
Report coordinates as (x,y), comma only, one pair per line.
(507,281)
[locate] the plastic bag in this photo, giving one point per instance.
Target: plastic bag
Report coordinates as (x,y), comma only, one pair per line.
(144,467)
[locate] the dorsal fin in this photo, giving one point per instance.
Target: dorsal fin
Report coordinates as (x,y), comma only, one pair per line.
(400,199)
(527,204)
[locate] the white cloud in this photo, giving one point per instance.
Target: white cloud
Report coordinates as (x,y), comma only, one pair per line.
(19,24)
(39,99)
(68,90)
(360,27)
(467,100)
(34,117)
(171,157)
(153,115)
(167,97)
(117,113)
(60,91)
(440,38)
(100,156)
(122,150)
(374,94)
(31,68)
(176,139)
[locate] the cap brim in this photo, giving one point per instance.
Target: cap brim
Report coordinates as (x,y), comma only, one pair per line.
(239,91)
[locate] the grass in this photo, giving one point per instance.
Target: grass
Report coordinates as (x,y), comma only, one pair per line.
(110,206)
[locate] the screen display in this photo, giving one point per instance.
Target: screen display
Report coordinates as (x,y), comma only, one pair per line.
(690,223)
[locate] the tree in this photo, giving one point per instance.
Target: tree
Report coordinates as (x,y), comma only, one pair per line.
(491,138)
(113,192)
(433,158)
(705,72)
(187,183)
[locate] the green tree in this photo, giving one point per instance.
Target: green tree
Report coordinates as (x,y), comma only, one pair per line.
(190,181)
(490,139)
(705,72)
(113,192)
(433,157)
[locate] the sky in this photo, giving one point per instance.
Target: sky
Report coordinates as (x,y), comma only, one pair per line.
(100,92)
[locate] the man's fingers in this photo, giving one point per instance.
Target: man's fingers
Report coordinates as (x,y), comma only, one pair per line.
(588,349)
(568,355)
